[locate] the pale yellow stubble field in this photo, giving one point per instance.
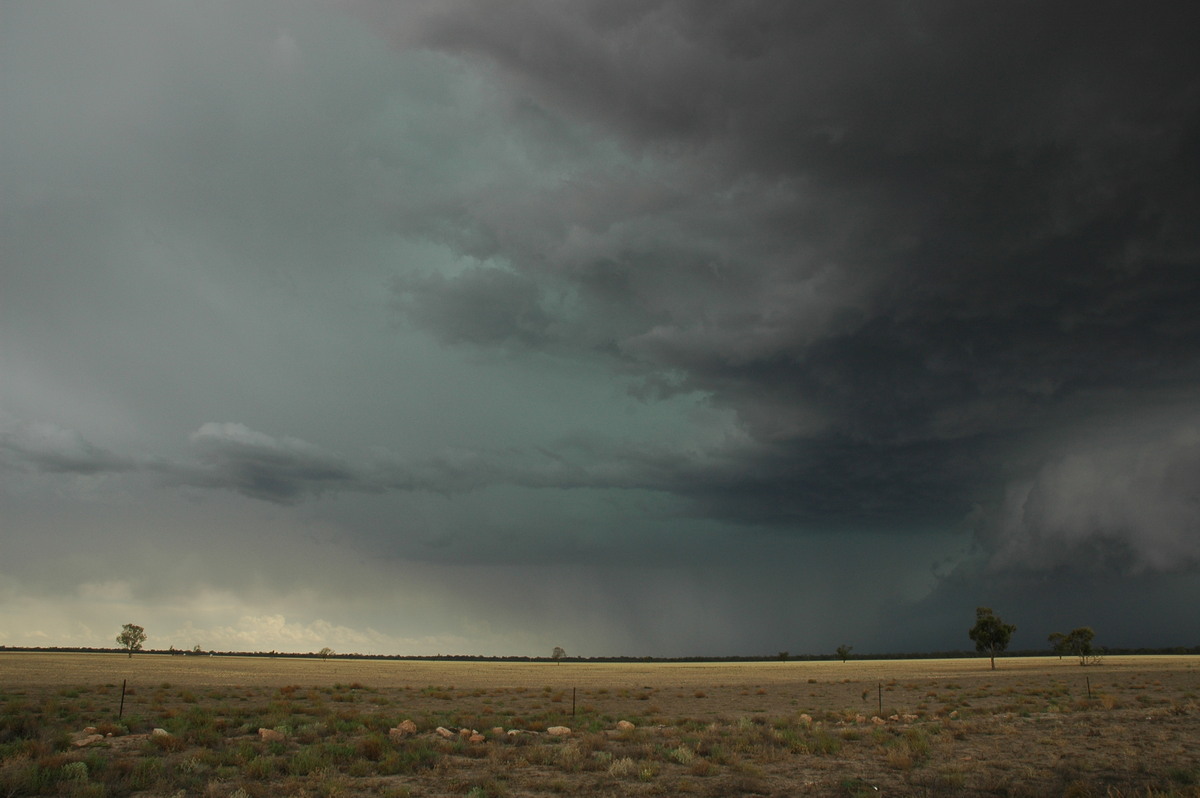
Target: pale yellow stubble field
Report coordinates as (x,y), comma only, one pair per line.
(697,690)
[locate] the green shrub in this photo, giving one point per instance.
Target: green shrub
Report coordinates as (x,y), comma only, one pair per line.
(306,761)
(260,768)
(411,758)
(146,773)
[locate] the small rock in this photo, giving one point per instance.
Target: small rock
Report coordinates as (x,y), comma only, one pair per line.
(160,733)
(624,725)
(878,721)
(806,718)
(270,736)
(405,729)
(87,740)
(558,731)
(476,738)
(498,731)
(466,732)
(444,732)
(90,730)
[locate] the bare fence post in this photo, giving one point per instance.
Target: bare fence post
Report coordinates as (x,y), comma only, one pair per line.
(121,711)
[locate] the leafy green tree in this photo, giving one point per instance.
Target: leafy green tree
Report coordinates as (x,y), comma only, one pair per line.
(558,654)
(131,638)
(843,651)
(990,633)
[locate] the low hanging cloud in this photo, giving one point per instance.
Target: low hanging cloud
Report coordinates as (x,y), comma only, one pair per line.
(232,456)
(1131,507)
(46,447)
(236,457)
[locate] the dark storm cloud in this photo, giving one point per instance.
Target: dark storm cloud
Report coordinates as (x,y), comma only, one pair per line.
(910,245)
(1126,504)
(479,306)
(530,316)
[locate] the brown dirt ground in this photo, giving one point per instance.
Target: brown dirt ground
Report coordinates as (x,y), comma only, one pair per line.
(1033,726)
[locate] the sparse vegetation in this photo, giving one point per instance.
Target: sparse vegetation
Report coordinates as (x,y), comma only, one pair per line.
(761,729)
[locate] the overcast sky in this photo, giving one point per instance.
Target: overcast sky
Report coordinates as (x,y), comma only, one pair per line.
(631,327)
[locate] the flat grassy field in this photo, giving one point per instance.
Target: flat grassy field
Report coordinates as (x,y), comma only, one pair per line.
(1034,726)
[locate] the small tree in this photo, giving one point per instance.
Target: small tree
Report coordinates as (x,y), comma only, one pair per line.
(990,633)
(1076,643)
(843,651)
(131,638)
(325,653)
(558,654)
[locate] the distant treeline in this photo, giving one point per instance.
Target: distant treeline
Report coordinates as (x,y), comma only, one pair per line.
(781,657)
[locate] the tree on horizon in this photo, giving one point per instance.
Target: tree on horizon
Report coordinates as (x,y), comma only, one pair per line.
(131,638)
(990,633)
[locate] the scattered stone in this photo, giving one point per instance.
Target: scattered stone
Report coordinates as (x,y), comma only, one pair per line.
(270,736)
(405,729)
(160,733)
(624,725)
(476,738)
(558,731)
(860,718)
(466,732)
(442,731)
(87,739)
(806,718)
(497,731)
(878,721)
(90,730)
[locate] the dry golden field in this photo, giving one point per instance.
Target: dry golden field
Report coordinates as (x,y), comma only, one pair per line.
(1034,726)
